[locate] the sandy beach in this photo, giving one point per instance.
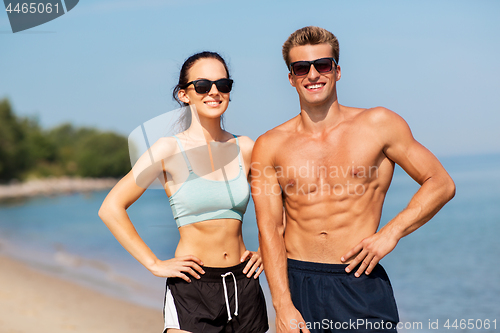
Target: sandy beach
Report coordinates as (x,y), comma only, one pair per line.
(31,301)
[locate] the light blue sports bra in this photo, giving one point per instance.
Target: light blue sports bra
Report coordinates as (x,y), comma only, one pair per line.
(200,199)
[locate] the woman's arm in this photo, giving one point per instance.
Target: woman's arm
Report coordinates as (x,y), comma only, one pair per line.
(113,212)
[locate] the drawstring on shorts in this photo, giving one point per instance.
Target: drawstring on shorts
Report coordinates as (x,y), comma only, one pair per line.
(227,299)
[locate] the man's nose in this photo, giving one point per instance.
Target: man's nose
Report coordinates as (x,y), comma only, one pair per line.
(313,73)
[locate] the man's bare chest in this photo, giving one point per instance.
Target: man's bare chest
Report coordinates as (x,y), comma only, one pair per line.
(336,165)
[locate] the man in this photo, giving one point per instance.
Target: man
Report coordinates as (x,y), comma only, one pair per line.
(329,168)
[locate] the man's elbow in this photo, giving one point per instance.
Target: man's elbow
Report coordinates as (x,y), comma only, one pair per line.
(449,189)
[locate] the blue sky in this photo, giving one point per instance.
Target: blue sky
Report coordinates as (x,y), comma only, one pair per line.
(113,64)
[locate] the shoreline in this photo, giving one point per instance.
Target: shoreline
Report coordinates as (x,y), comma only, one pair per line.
(29,298)
(54,186)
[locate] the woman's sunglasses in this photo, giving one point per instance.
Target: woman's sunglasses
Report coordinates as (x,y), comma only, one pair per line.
(203,86)
(323,65)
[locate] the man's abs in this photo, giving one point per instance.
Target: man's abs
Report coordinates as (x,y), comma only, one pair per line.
(323,233)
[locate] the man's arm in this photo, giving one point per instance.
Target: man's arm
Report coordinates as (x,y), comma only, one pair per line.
(437,188)
(266,193)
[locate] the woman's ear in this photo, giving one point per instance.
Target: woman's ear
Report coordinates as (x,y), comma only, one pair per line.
(183,96)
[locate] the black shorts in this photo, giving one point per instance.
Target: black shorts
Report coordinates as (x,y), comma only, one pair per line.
(214,304)
(331,300)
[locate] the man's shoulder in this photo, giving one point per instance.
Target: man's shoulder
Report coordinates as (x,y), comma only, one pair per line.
(281,131)
(384,124)
(378,116)
(269,138)
(274,138)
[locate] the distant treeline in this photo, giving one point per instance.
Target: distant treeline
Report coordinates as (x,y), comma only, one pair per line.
(27,150)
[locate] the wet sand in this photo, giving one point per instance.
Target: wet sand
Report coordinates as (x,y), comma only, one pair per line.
(31,301)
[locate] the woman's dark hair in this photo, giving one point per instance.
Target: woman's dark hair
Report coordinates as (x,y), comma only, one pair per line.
(183,76)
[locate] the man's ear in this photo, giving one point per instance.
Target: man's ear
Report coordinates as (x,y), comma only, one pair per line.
(183,96)
(290,78)
(338,74)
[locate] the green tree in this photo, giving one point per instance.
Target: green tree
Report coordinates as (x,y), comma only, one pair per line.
(26,150)
(12,158)
(67,140)
(103,155)
(39,151)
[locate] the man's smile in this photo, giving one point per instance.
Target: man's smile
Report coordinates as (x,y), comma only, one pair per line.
(315,86)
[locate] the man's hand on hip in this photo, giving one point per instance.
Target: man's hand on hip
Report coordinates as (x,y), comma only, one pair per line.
(369,252)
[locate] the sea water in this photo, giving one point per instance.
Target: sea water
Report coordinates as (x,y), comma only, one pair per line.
(445,271)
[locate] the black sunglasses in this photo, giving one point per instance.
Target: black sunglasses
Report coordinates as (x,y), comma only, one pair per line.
(323,65)
(203,86)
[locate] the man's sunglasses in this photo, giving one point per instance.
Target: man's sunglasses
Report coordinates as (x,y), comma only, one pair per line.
(203,86)
(323,65)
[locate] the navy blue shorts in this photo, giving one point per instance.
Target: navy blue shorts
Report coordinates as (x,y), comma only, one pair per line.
(331,300)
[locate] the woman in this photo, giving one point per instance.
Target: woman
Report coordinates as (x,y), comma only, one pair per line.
(204,171)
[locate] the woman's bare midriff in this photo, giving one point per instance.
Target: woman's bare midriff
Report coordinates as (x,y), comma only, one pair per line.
(217,243)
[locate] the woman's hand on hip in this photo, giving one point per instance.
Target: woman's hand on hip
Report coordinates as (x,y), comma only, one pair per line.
(179,267)
(254,264)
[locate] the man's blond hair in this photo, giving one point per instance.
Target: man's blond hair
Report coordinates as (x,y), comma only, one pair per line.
(310,36)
